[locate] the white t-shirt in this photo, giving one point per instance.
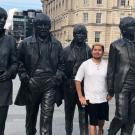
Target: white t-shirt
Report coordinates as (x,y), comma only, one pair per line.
(94,75)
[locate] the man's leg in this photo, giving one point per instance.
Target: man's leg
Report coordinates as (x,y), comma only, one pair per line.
(121,113)
(93,130)
(3,116)
(31,114)
(114,126)
(100,127)
(47,109)
(83,120)
(70,103)
(127,128)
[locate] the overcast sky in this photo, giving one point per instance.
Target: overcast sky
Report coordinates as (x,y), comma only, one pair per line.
(21,4)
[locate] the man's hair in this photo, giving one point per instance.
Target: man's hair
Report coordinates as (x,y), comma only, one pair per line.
(42,17)
(3,12)
(126,21)
(76,26)
(98,44)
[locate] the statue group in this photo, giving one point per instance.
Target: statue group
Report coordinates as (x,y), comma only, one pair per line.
(47,74)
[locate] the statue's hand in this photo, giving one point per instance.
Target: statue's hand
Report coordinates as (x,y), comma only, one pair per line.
(5,76)
(25,79)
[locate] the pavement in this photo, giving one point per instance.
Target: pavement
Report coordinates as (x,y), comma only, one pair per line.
(15,124)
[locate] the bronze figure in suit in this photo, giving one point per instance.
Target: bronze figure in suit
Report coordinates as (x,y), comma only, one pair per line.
(8,69)
(40,70)
(74,54)
(121,78)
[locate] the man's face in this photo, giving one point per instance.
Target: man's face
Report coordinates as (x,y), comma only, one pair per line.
(42,28)
(130,31)
(80,35)
(97,52)
(2,22)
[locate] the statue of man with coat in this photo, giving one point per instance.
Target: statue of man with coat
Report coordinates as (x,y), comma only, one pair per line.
(74,54)
(8,69)
(121,78)
(41,68)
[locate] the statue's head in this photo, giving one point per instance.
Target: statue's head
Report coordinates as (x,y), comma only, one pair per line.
(127,27)
(42,25)
(3,18)
(79,33)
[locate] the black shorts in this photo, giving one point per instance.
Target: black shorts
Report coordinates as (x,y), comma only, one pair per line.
(98,112)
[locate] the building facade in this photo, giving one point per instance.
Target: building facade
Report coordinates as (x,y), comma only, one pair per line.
(101,18)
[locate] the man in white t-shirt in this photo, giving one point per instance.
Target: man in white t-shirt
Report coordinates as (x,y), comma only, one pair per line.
(93,72)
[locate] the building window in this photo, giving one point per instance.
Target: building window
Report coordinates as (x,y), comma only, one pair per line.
(128,3)
(98,17)
(59,4)
(123,2)
(63,2)
(97,36)
(99,1)
(85,2)
(85,18)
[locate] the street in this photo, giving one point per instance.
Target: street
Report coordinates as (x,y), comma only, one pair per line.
(15,124)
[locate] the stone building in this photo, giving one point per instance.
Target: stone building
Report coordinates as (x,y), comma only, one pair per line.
(101,18)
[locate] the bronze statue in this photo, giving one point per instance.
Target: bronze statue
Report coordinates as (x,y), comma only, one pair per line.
(8,69)
(40,70)
(121,78)
(74,54)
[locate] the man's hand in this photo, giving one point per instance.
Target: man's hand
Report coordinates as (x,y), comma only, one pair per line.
(108,98)
(25,79)
(5,76)
(82,100)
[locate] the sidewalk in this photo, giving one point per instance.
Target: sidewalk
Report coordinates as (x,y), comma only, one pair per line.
(15,124)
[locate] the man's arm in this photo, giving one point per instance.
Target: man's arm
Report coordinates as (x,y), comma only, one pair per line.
(79,92)
(11,72)
(22,72)
(111,70)
(61,66)
(78,79)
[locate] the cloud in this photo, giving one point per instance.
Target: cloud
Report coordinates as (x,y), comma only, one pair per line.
(9,21)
